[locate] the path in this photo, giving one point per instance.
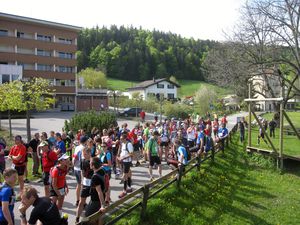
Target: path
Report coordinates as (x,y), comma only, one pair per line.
(54,121)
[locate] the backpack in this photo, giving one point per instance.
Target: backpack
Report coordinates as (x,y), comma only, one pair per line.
(104,178)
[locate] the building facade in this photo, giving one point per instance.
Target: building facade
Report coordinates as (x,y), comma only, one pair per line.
(43,49)
(10,73)
(162,87)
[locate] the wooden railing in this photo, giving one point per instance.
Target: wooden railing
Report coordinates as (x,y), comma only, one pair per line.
(141,196)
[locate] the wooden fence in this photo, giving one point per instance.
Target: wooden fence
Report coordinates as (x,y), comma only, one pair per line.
(141,196)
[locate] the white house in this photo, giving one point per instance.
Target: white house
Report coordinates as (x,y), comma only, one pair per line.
(162,87)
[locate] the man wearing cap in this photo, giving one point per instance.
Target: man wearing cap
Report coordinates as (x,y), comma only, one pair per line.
(48,160)
(77,158)
(59,187)
(60,144)
(18,156)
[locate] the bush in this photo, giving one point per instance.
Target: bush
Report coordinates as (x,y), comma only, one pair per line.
(177,110)
(89,120)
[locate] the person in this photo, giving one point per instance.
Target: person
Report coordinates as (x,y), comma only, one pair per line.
(68,143)
(97,189)
(126,159)
(76,162)
(153,153)
(2,157)
(182,155)
(34,145)
(86,175)
(215,127)
(18,156)
(51,139)
(224,120)
(241,126)
(164,137)
(272,126)
(222,135)
(59,187)
(44,210)
(49,158)
(7,197)
(133,136)
(191,135)
(142,115)
(106,163)
(60,145)
(155,117)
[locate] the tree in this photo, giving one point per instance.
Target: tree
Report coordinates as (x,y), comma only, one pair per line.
(37,95)
(93,78)
(205,97)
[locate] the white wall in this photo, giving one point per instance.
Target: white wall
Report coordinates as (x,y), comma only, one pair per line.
(11,70)
(165,90)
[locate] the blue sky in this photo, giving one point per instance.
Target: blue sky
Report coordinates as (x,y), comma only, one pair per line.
(203,19)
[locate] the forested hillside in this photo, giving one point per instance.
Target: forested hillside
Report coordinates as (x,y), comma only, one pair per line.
(137,54)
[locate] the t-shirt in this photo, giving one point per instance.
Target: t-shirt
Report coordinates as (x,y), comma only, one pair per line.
(78,156)
(125,152)
(7,194)
(199,137)
(51,141)
(67,142)
(34,144)
(222,132)
(60,174)
(182,151)
(48,160)
(61,146)
(96,181)
(45,211)
(17,150)
(104,158)
(87,172)
(153,147)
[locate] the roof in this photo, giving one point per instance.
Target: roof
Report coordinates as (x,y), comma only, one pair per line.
(38,21)
(148,83)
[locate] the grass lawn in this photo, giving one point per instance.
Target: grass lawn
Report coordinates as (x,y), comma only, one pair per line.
(236,189)
(188,87)
(294,116)
(120,85)
(290,142)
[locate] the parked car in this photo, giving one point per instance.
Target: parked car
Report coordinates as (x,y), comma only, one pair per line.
(134,111)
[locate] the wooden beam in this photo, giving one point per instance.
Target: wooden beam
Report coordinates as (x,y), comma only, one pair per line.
(292,125)
(264,131)
(263,100)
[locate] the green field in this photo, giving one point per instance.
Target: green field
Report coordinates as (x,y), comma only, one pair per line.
(188,87)
(236,189)
(290,142)
(294,116)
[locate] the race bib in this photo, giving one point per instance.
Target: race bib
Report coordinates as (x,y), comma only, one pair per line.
(86,181)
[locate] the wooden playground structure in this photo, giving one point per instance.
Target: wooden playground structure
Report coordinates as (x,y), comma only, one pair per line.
(277,153)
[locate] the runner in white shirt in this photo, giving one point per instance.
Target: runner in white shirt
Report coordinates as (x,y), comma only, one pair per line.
(126,160)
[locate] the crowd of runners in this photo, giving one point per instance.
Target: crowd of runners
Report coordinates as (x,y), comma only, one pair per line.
(94,157)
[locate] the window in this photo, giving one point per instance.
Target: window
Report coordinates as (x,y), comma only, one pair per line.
(43,53)
(160,86)
(64,40)
(14,77)
(3,32)
(20,34)
(5,78)
(170,86)
(171,96)
(44,38)
(44,67)
(65,55)
(65,69)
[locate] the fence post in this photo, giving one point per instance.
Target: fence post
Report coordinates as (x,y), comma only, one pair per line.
(145,199)
(198,162)
(213,153)
(179,175)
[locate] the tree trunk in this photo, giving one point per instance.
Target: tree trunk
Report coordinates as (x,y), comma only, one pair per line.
(9,122)
(28,125)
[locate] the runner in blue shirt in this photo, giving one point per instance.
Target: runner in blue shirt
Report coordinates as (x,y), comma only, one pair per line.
(7,197)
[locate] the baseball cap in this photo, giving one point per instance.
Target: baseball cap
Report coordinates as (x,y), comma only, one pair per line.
(43,143)
(83,139)
(63,157)
(58,134)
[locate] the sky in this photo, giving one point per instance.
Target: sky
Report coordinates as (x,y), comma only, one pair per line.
(200,19)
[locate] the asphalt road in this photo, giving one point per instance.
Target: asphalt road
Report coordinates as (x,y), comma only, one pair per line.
(55,121)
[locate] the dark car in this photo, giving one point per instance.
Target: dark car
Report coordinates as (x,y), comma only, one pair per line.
(134,111)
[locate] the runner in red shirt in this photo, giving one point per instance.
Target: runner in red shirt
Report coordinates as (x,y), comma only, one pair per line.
(18,156)
(133,136)
(224,120)
(59,187)
(48,160)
